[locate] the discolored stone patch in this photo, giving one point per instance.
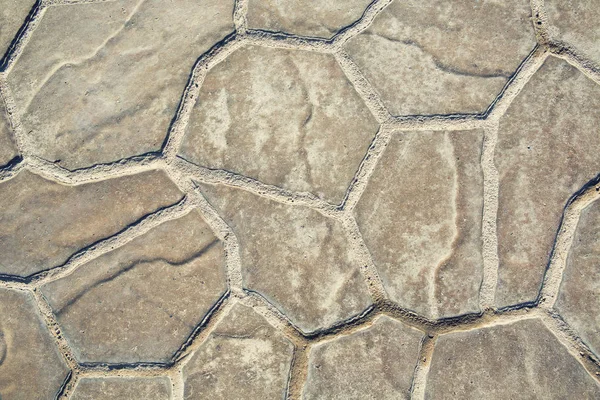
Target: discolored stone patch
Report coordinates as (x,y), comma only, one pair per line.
(244,358)
(376,363)
(42,223)
(294,256)
(101,82)
(287,118)
(114,388)
(440,57)
(30,365)
(520,360)
(547,150)
(140,302)
(12,16)
(8,150)
(420,217)
(305,17)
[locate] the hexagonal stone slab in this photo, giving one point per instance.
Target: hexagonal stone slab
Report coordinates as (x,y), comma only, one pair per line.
(420,217)
(140,302)
(244,358)
(115,388)
(30,365)
(42,223)
(101,82)
(12,16)
(8,150)
(440,57)
(287,118)
(306,17)
(547,150)
(295,257)
(376,363)
(520,360)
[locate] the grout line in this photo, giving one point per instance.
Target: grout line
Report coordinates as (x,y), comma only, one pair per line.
(280,40)
(240,16)
(419,380)
(48,3)
(22,141)
(178,384)
(436,122)
(11,170)
(369,15)
(539,20)
(571,55)
(298,372)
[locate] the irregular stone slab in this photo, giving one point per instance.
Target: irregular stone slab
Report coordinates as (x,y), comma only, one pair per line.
(577,301)
(376,363)
(441,57)
(305,18)
(517,361)
(140,302)
(12,16)
(547,150)
(295,257)
(30,365)
(101,82)
(42,223)
(244,358)
(8,150)
(287,118)
(420,217)
(113,388)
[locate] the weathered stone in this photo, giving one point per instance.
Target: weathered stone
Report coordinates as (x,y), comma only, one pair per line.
(30,365)
(420,217)
(100,82)
(547,150)
(295,257)
(287,118)
(112,388)
(307,17)
(140,302)
(577,302)
(42,223)
(441,57)
(376,363)
(8,149)
(12,16)
(244,358)
(519,361)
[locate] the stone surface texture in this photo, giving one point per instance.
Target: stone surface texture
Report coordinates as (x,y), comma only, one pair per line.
(8,150)
(123,389)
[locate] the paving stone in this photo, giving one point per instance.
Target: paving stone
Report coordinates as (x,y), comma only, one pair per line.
(420,217)
(8,149)
(112,388)
(519,361)
(295,257)
(307,17)
(12,16)
(440,57)
(577,302)
(244,358)
(30,365)
(376,363)
(547,150)
(287,118)
(140,302)
(100,82)
(42,223)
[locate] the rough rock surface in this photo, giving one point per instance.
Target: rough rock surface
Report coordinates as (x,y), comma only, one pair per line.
(122,389)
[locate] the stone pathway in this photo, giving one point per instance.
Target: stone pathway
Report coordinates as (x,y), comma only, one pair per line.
(268,199)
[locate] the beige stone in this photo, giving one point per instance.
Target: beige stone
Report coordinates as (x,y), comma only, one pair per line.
(112,388)
(140,302)
(101,82)
(420,217)
(547,150)
(287,118)
(30,365)
(8,150)
(244,358)
(305,17)
(518,361)
(441,57)
(12,16)
(295,257)
(376,363)
(42,223)
(578,298)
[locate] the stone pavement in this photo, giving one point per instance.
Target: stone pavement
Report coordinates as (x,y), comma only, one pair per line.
(299,199)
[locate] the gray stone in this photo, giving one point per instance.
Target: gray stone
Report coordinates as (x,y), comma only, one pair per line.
(8,149)
(112,388)
(140,302)
(101,82)
(522,360)
(42,223)
(244,358)
(287,118)
(420,217)
(441,57)
(547,150)
(12,16)
(30,365)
